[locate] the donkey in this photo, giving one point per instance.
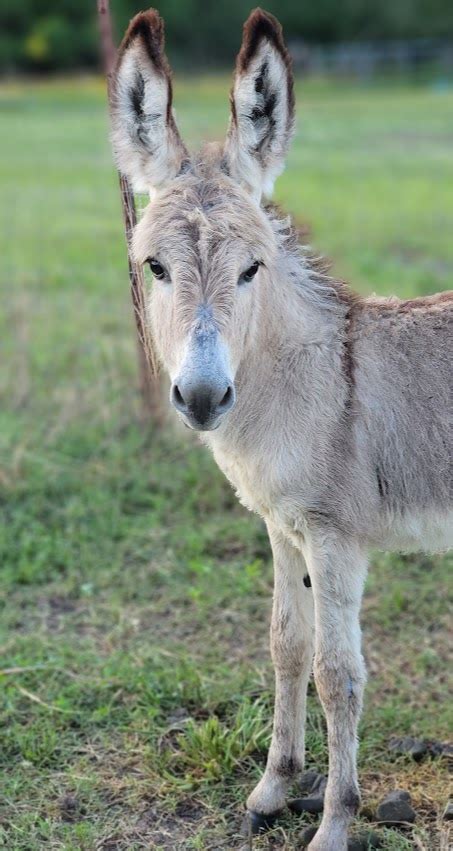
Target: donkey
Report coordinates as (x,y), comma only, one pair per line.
(329,413)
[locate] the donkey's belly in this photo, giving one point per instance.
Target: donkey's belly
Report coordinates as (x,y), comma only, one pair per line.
(429,531)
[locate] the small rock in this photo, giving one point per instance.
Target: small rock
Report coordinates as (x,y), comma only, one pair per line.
(373,839)
(396,808)
(447,750)
(357,844)
(416,748)
(146,819)
(319,787)
(448,812)
(398,795)
(312,781)
(435,749)
(179,712)
(364,842)
(313,786)
(307,835)
(439,749)
(69,806)
(314,805)
(419,748)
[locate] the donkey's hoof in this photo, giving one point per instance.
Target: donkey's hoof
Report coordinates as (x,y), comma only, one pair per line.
(307,835)
(254,823)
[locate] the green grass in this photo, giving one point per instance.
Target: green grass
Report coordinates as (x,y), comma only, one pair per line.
(136,687)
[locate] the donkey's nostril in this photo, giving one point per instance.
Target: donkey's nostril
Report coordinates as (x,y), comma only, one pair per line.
(177,398)
(227,399)
(203,402)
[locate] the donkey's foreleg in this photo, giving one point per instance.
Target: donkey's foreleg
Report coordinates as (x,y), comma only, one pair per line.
(338,569)
(292,643)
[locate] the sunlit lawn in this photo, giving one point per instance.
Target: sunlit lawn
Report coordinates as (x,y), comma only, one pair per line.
(136,689)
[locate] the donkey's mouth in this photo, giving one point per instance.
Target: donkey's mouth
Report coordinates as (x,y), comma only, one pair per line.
(195,426)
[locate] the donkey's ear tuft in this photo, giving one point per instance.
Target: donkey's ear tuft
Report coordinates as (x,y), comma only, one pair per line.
(262,105)
(146,143)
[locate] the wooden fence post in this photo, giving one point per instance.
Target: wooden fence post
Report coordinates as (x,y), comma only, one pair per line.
(147,361)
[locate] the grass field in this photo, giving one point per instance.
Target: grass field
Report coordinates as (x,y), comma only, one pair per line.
(136,688)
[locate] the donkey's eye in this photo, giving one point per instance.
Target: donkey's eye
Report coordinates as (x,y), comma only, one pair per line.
(156,268)
(250,272)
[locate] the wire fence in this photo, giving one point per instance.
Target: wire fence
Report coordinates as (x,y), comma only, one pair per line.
(368,59)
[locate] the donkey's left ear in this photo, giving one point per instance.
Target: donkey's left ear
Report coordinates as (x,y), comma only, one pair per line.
(146,143)
(262,106)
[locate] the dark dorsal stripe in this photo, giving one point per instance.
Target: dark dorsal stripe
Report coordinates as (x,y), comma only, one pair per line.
(382,483)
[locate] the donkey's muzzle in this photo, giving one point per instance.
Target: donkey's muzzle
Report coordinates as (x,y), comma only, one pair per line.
(202,404)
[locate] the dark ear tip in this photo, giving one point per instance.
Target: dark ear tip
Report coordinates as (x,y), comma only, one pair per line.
(149,27)
(259,25)
(260,18)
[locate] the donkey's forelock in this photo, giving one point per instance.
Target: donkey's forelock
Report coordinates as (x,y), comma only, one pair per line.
(206,230)
(202,204)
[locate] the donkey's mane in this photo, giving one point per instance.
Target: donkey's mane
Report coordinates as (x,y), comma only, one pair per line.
(310,271)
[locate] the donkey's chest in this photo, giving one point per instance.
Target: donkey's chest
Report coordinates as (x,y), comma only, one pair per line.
(265,489)
(253,485)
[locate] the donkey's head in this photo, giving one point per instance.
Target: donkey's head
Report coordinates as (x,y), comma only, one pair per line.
(204,234)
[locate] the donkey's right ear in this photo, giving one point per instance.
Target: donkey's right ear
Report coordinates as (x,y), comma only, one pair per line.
(146,143)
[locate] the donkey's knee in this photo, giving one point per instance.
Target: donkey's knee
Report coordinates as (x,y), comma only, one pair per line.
(340,684)
(291,656)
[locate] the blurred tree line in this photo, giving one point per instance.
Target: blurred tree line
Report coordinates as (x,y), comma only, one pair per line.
(48,35)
